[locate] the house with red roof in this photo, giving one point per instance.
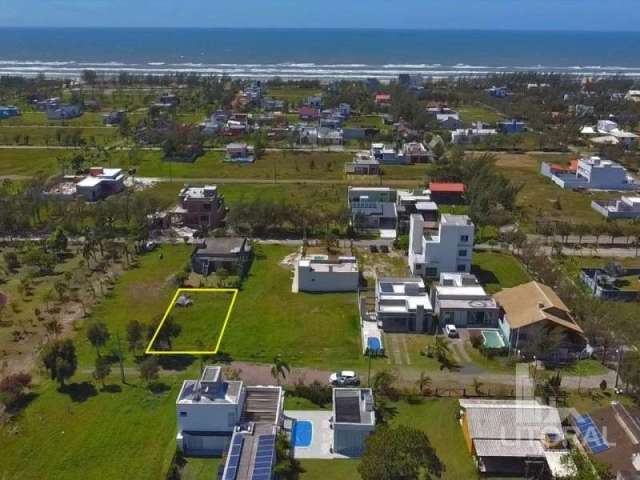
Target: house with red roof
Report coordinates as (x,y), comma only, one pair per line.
(447,192)
(383,99)
(309,113)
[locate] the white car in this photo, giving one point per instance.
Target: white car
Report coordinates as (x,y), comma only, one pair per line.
(451,330)
(344,377)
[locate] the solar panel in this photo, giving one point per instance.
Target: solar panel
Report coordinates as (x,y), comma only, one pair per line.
(230,474)
(591,434)
(265,453)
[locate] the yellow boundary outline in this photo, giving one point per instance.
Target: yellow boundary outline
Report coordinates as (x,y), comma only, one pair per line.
(235,291)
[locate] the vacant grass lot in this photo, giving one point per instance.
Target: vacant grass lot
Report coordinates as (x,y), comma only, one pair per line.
(201,323)
(140,294)
(496,271)
(87,119)
(307,329)
(85,433)
(478,113)
(291,94)
(46,135)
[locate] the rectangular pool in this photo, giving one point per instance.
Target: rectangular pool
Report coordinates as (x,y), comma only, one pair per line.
(492,339)
(302,433)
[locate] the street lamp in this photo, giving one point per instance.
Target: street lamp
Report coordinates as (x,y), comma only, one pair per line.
(619,351)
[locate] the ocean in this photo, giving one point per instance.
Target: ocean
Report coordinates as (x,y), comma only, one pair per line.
(315,53)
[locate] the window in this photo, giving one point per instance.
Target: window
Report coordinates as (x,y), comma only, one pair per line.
(183,414)
(431,272)
(462,268)
(464,238)
(462,253)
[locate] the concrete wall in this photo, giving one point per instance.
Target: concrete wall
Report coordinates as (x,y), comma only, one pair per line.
(312,281)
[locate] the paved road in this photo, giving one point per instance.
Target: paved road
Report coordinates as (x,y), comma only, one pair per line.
(261,374)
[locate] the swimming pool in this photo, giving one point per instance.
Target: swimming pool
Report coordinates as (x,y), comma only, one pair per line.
(302,433)
(373,344)
(492,339)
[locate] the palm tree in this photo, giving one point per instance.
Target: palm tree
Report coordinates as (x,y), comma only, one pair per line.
(441,347)
(279,369)
(424,382)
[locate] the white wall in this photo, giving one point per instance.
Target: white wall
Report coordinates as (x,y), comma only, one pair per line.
(312,281)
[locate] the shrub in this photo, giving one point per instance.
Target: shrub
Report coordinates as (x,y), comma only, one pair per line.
(476,341)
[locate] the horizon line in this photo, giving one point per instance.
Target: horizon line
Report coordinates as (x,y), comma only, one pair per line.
(275,28)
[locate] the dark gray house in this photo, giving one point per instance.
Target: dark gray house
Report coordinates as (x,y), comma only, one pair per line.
(231,253)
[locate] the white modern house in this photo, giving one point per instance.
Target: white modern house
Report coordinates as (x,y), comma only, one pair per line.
(387,154)
(100,183)
(375,208)
(354,420)
(592,173)
(319,274)
(608,132)
(403,305)
(626,207)
(210,409)
(459,299)
(450,249)
(476,133)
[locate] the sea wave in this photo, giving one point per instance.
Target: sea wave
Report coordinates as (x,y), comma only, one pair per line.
(294,70)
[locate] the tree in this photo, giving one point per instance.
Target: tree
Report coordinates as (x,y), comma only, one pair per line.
(98,335)
(102,369)
(585,468)
(149,369)
(59,359)
(400,453)
(135,334)
(424,383)
(279,369)
(58,241)
(41,259)
(11,261)
(13,387)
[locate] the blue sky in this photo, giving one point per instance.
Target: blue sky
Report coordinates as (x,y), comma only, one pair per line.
(420,14)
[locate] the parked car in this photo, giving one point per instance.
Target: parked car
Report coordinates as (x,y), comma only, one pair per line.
(451,330)
(384,248)
(344,377)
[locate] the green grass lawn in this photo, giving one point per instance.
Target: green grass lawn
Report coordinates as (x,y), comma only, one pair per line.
(201,323)
(200,468)
(92,434)
(334,469)
(307,329)
(54,135)
(291,93)
(87,119)
(142,294)
(584,368)
(365,121)
(28,162)
(478,113)
(496,271)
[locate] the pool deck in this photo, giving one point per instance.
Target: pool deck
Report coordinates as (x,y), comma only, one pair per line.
(370,329)
(321,436)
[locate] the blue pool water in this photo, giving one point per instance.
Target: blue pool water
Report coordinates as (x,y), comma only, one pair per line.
(302,433)
(373,344)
